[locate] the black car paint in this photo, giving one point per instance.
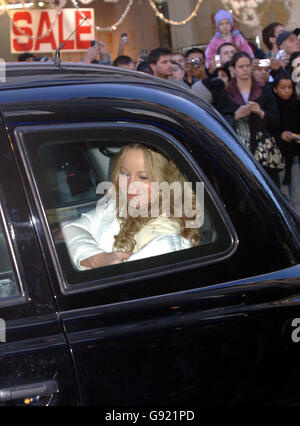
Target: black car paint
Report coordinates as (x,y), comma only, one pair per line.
(209,335)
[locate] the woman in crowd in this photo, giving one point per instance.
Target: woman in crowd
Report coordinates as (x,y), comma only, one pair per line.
(121,228)
(288,135)
(225,33)
(256,116)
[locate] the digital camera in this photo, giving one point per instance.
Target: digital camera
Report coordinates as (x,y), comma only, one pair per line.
(264,63)
(196,62)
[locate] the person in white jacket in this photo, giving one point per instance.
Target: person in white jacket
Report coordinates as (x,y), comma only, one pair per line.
(111,233)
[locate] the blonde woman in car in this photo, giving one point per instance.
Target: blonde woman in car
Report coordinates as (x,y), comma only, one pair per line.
(109,234)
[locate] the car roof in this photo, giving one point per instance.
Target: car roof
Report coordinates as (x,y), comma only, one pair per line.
(33,74)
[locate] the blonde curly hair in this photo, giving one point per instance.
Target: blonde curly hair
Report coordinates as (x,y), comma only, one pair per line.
(159,169)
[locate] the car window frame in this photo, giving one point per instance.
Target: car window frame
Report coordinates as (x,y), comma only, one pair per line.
(22,132)
(15,261)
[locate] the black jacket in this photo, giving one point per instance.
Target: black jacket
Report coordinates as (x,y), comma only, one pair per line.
(265,98)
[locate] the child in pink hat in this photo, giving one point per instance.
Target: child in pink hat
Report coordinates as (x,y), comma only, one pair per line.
(225,33)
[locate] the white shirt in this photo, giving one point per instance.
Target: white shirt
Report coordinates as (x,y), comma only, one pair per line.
(94,232)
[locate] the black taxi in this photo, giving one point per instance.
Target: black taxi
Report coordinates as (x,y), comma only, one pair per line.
(215,324)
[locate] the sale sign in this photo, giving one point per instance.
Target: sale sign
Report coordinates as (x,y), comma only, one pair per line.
(42,31)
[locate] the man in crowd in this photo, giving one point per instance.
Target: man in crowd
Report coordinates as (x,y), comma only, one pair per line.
(269,36)
(26,57)
(288,42)
(124,61)
(100,51)
(226,52)
(160,62)
(194,66)
(178,58)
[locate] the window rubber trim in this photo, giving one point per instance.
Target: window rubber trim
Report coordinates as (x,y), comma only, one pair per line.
(22,132)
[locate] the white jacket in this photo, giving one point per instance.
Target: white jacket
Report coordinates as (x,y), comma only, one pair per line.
(94,232)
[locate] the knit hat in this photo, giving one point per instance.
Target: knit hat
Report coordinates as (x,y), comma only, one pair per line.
(224,14)
(282,37)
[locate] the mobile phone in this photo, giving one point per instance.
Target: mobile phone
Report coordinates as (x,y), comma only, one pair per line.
(264,63)
(280,54)
(94,43)
(218,61)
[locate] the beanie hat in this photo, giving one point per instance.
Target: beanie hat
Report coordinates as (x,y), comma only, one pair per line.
(282,37)
(224,14)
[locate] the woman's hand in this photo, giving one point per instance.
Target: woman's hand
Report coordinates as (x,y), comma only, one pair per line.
(256,109)
(105,259)
(275,64)
(241,112)
(287,136)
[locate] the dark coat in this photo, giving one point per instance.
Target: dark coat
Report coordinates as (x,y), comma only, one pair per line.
(221,100)
(265,98)
(289,113)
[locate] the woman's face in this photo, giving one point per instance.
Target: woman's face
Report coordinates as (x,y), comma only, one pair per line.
(284,89)
(242,69)
(224,26)
(134,182)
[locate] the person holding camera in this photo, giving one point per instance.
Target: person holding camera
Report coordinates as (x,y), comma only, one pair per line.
(194,66)
(97,54)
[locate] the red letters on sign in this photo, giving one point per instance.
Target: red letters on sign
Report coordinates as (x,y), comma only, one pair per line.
(22,16)
(82,44)
(48,35)
(44,19)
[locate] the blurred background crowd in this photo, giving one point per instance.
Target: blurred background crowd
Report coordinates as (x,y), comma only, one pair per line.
(257,91)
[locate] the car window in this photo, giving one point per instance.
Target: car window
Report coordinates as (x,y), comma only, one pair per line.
(71,170)
(8,283)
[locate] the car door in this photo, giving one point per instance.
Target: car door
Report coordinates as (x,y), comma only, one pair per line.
(199,327)
(36,364)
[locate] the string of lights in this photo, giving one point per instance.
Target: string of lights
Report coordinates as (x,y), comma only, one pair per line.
(116,24)
(245,12)
(171,21)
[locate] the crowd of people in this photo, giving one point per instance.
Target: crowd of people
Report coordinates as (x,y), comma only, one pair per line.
(257,92)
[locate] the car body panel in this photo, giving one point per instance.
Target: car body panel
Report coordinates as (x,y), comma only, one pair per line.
(202,334)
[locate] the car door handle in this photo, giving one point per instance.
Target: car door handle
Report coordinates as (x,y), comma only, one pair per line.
(47,388)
